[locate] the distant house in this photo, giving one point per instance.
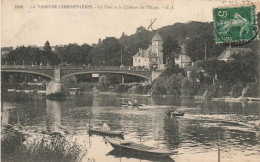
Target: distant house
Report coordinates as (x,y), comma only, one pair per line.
(152,57)
(183,60)
(227,54)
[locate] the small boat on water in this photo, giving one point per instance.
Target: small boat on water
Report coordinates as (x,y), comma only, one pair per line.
(230,99)
(105,132)
(132,104)
(56,96)
(253,99)
(174,113)
(235,99)
(138,149)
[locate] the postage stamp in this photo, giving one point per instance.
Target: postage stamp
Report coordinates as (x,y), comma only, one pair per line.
(236,24)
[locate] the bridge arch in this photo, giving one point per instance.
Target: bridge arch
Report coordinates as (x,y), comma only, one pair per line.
(108,72)
(28,72)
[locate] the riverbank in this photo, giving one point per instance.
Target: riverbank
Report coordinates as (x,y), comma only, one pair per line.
(18,144)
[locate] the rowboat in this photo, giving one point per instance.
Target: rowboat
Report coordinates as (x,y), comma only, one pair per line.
(253,99)
(132,104)
(138,149)
(105,132)
(121,154)
(174,113)
(235,99)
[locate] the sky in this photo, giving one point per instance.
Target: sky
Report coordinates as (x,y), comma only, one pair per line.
(34,25)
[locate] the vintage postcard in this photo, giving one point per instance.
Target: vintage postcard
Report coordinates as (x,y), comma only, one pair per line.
(130,80)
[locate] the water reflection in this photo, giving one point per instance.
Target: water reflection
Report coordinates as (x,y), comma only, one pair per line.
(195,133)
(53,115)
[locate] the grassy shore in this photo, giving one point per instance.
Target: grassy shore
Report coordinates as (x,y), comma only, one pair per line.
(53,147)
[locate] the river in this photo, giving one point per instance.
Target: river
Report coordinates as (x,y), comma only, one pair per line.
(205,127)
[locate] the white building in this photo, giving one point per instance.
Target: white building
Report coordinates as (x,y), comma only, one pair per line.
(152,57)
(229,52)
(183,60)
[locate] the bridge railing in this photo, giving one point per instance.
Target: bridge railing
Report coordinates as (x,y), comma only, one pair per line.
(28,66)
(94,68)
(107,68)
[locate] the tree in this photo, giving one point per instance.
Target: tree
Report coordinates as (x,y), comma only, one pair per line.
(243,68)
(188,87)
(48,55)
(69,82)
(85,54)
(140,29)
(215,69)
(47,47)
(107,53)
(173,85)
(23,54)
(171,50)
(159,86)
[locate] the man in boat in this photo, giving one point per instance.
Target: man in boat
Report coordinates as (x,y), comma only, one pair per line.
(106,127)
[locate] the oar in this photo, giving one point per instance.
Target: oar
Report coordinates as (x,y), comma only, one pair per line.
(140,146)
(89,132)
(120,148)
(218,148)
(18,122)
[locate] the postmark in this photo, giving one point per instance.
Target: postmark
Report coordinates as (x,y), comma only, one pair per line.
(235,24)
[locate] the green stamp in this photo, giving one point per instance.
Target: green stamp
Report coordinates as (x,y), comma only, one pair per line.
(236,24)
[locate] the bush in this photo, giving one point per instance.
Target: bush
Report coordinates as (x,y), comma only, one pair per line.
(147,88)
(159,87)
(86,86)
(122,88)
(139,89)
(253,90)
(237,90)
(188,87)
(54,149)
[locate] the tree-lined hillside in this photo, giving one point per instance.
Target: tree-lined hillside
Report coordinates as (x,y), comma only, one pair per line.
(194,35)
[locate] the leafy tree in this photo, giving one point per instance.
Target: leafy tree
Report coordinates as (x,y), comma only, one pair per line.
(159,86)
(47,47)
(23,54)
(170,71)
(140,29)
(69,82)
(243,68)
(48,55)
(215,69)
(188,87)
(173,85)
(171,50)
(108,53)
(75,54)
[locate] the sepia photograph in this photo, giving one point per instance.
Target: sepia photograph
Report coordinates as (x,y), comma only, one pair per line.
(130,81)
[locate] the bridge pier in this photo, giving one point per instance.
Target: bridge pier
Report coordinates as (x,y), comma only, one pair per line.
(54,86)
